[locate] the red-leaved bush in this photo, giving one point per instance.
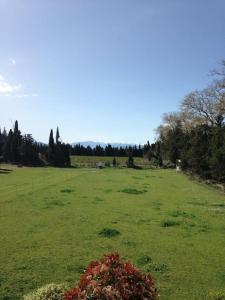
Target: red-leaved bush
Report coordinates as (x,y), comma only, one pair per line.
(110,279)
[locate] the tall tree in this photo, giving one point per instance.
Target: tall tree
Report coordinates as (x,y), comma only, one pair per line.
(177,143)
(51,149)
(57,135)
(205,105)
(7,153)
(15,144)
(28,151)
(3,137)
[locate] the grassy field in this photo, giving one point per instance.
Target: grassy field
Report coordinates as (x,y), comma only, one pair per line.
(50,220)
(91,161)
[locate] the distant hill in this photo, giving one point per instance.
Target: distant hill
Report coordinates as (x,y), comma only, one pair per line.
(102,144)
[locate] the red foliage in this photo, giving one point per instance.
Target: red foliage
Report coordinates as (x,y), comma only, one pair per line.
(110,279)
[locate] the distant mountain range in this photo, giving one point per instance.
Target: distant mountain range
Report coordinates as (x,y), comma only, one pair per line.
(102,144)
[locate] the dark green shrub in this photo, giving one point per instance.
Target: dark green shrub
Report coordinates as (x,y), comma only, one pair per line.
(108,232)
(133,191)
(67,191)
(169,223)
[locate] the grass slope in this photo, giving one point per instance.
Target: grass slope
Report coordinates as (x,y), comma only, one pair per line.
(54,221)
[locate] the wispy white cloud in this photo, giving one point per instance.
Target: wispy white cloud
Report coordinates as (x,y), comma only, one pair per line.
(20,95)
(12,62)
(8,89)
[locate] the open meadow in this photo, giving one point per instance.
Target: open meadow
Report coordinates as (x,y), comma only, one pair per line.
(91,161)
(54,221)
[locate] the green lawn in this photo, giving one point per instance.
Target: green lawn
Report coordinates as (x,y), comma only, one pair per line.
(50,220)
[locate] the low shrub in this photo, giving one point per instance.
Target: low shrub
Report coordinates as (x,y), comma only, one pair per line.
(133,191)
(108,232)
(143,260)
(161,268)
(98,199)
(180,213)
(111,279)
(50,291)
(67,191)
(169,223)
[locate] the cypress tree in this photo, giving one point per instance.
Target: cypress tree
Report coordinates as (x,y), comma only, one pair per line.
(57,135)
(7,154)
(28,152)
(1,142)
(15,144)
(51,149)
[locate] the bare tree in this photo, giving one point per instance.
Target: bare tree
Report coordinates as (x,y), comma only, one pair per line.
(198,107)
(219,82)
(206,106)
(170,121)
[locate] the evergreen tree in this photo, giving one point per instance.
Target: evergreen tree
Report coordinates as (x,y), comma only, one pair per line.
(130,161)
(57,135)
(51,149)
(98,151)
(198,154)
(66,155)
(109,150)
(175,142)
(146,150)
(158,154)
(3,137)
(7,154)
(28,151)
(114,162)
(217,154)
(58,154)
(15,144)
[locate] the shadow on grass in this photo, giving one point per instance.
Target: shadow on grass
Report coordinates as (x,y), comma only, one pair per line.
(220,205)
(5,171)
(133,191)
(98,199)
(67,191)
(181,213)
(108,232)
(143,260)
(53,203)
(169,223)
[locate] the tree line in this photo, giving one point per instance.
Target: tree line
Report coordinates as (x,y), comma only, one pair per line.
(195,134)
(23,149)
(109,150)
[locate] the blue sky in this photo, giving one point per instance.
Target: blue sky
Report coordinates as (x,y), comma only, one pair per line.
(104,70)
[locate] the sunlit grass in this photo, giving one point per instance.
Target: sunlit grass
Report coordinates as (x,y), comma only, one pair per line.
(51,220)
